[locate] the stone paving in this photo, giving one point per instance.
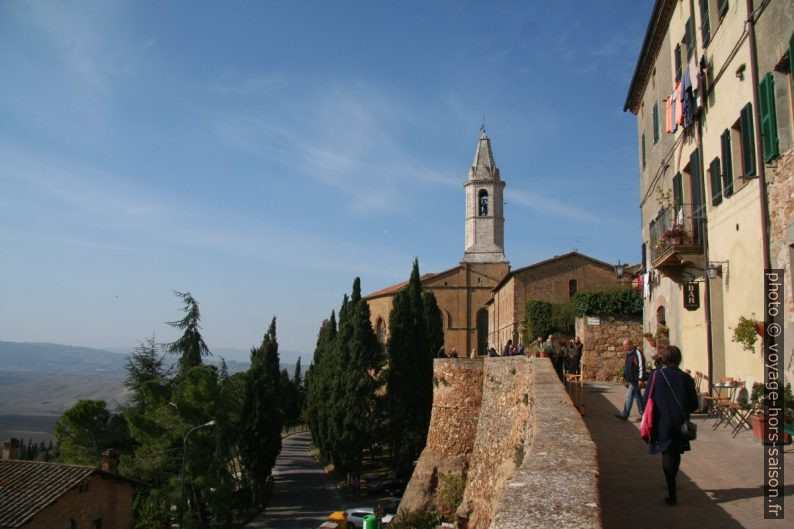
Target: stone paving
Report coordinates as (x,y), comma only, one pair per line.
(719,484)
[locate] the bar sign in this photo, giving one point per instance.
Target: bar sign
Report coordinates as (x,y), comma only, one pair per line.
(691,296)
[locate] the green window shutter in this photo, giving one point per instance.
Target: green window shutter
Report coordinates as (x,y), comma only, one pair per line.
(694,175)
(748,141)
(689,39)
(643,150)
(678,190)
(766,102)
(655,123)
(677,56)
(716,182)
(704,21)
(722,7)
(727,164)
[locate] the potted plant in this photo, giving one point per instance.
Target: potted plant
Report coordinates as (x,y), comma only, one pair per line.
(675,234)
(746,332)
(651,339)
(759,419)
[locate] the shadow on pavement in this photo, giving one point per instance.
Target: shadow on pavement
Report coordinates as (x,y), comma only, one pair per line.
(631,483)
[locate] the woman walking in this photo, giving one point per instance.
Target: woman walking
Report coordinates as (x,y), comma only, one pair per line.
(674,398)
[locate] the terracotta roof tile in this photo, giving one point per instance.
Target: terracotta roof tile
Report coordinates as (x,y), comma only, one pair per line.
(27,487)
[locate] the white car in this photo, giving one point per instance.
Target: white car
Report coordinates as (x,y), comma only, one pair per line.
(355,517)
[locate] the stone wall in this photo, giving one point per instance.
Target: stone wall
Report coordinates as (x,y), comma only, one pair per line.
(603,354)
(508,426)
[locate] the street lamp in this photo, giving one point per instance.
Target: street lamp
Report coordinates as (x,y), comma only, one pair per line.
(620,269)
(182,477)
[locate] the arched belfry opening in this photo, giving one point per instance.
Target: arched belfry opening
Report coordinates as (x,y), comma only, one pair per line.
(482,201)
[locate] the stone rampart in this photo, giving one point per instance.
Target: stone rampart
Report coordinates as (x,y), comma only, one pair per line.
(603,354)
(508,426)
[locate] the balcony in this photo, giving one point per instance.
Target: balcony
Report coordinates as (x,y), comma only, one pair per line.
(677,238)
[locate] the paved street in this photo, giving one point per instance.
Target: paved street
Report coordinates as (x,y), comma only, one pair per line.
(719,484)
(303,495)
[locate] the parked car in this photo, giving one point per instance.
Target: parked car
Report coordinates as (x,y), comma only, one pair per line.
(355,517)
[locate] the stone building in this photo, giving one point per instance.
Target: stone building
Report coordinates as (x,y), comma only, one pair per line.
(38,495)
(707,177)
(481,300)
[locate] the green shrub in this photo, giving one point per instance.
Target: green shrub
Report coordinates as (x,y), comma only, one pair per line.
(416,520)
(450,494)
(624,302)
(543,318)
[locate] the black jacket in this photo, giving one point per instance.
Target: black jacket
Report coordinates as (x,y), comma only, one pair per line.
(668,416)
(634,368)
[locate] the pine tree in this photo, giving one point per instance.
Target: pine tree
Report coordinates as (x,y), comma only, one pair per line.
(144,365)
(190,346)
(262,414)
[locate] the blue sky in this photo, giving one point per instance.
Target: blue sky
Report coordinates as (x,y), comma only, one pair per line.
(263,154)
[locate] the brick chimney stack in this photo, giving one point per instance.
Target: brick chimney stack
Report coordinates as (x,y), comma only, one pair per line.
(110,461)
(11,449)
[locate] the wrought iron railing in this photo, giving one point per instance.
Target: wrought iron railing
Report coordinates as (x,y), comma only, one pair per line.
(676,225)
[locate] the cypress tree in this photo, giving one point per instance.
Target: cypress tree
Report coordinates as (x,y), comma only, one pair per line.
(360,354)
(414,336)
(262,413)
(318,387)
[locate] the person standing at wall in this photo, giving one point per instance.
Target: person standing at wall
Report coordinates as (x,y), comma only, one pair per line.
(633,373)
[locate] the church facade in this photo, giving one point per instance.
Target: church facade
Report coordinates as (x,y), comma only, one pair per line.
(481,300)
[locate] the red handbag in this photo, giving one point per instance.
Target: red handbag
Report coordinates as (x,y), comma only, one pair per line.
(647,415)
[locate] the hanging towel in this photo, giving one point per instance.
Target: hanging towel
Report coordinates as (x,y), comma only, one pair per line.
(673,108)
(646,288)
(679,107)
(694,73)
(688,99)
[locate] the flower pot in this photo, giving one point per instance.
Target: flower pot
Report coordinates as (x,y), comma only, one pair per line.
(544,354)
(759,328)
(758,421)
(651,341)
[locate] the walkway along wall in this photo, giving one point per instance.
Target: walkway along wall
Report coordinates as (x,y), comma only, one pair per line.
(508,426)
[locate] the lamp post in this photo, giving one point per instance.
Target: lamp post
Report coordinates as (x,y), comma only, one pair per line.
(620,269)
(182,477)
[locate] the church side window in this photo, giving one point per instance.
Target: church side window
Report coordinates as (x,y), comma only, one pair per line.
(572,286)
(483,202)
(380,330)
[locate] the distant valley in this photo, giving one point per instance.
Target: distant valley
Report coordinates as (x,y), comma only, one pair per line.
(39,381)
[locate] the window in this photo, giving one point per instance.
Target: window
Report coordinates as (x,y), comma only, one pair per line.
(705,31)
(483,203)
(722,7)
(643,150)
(380,330)
(716,182)
(766,100)
(656,123)
(678,199)
(698,211)
(677,57)
(660,317)
(96,524)
(572,284)
(689,39)
(727,164)
(747,141)
(69,524)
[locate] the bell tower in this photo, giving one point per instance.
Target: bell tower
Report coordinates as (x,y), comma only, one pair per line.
(485,222)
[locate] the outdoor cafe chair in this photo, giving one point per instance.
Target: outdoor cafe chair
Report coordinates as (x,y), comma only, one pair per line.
(728,410)
(715,400)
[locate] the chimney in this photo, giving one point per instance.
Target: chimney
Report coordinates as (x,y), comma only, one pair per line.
(110,461)
(11,449)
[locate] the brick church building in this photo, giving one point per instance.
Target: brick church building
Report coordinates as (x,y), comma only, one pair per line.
(481,299)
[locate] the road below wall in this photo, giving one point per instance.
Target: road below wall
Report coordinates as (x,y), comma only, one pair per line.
(303,495)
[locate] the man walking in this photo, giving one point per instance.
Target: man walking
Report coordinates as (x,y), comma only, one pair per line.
(633,373)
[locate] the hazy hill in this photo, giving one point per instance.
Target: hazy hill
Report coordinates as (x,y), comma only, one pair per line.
(38,381)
